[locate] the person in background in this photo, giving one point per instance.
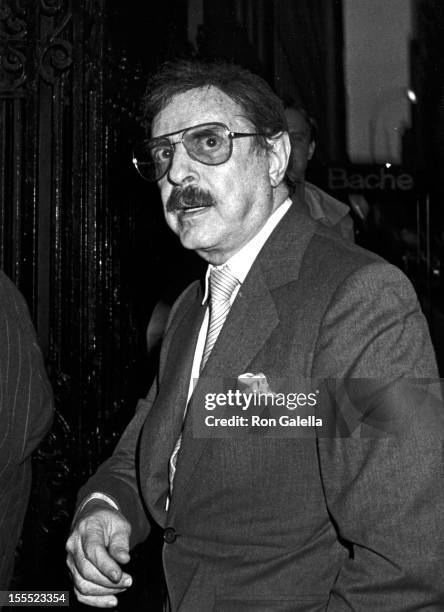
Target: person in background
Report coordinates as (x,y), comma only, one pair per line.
(26,413)
(321,206)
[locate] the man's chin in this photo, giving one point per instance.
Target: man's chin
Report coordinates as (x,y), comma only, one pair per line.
(193,240)
(207,249)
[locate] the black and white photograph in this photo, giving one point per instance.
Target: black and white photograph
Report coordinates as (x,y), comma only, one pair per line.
(222,305)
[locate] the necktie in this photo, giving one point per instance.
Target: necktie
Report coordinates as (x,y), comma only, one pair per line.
(222,285)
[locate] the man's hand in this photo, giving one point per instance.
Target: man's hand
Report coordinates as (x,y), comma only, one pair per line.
(97,545)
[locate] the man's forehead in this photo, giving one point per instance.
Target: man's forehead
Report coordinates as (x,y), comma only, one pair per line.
(199,105)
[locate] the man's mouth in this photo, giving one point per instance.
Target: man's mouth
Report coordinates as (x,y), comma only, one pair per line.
(189,210)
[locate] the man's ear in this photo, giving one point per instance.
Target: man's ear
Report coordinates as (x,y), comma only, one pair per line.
(311,149)
(278,157)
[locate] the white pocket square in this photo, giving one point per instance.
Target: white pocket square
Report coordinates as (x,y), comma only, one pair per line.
(254,383)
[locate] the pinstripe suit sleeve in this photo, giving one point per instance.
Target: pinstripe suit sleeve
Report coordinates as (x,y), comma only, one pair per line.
(26,411)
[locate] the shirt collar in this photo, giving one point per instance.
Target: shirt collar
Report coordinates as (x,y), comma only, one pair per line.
(240,263)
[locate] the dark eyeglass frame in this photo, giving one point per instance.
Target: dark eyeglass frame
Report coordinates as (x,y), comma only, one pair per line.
(164,137)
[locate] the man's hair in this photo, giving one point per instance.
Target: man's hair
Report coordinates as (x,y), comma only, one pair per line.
(250,92)
(310,121)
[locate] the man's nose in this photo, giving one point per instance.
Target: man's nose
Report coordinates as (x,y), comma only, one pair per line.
(183,169)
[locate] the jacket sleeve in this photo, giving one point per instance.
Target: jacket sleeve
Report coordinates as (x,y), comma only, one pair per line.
(26,401)
(117,476)
(26,413)
(383,478)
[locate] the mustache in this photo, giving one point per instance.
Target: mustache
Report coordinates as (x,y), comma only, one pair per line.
(188,197)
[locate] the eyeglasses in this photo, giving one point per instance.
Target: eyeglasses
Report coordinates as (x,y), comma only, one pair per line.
(208,143)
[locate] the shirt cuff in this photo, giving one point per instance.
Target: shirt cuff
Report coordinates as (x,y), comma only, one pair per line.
(100,496)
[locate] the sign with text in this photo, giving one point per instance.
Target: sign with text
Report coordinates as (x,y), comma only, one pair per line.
(367,178)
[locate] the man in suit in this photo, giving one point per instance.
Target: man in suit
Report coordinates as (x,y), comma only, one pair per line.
(320,205)
(343,512)
(26,412)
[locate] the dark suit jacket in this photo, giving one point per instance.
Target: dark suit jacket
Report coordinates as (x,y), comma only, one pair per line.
(340,519)
(26,412)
